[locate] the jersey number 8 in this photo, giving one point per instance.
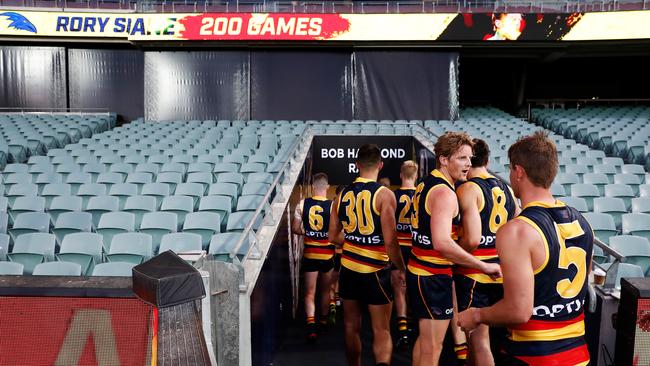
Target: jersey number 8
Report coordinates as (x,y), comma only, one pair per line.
(499,214)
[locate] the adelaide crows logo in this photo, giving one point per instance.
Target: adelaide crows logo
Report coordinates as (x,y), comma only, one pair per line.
(19,22)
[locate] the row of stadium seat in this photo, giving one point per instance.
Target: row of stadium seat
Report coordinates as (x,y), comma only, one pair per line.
(153,179)
(617,131)
(89,249)
(25,135)
(614,196)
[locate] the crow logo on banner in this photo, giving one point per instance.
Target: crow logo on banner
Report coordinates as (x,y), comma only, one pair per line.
(19,21)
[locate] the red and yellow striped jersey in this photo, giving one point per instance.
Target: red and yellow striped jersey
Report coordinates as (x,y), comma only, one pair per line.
(316,222)
(499,206)
(363,248)
(424,259)
(554,335)
(403,213)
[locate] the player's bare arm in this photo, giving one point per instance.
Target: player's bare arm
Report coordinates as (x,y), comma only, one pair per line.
(515,243)
(335,233)
(296,222)
(470,199)
(443,205)
(386,205)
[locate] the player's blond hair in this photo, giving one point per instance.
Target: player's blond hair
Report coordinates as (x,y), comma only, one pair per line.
(409,169)
(449,143)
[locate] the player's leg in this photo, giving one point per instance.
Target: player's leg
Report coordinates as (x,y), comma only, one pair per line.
(460,341)
(310,307)
(325,287)
(352,326)
(399,293)
(432,336)
(382,343)
(479,345)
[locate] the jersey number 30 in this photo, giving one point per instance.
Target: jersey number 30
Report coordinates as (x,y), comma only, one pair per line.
(358,212)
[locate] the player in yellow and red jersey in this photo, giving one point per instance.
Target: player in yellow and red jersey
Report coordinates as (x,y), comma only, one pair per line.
(434,225)
(486,203)
(403,196)
(545,254)
(365,211)
(311,219)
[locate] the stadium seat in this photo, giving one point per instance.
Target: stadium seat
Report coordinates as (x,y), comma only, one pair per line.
(139,179)
(173,167)
(171,178)
(113,223)
(26,204)
(21,190)
(194,190)
(83,248)
(114,269)
(622,191)
(32,249)
(110,179)
(259,189)
(586,191)
(566,180)
(150,168)
(205,224)
(4,246)
(30,222)
(139,205)
(636,224)
(158,224)
(237,221)
(602,225)
(635,169)
(55,189)
(77,179)
(612,206)
(579,170)
(11,269)
(608,170)
(130,247)
(578,203)
(627,270)
(180,205)
(631,180)
(222,244)
(123,191)
(260,178)
(72,222)
(57,269)
(613,161)
(250,203)
(236,178)
(597,179)
(99,205)
(599,255)
(181,242)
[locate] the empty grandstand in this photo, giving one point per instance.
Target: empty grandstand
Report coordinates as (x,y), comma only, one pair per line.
(130,128)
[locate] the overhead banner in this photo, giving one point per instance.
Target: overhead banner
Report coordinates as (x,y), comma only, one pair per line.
(336,156)
(329,27)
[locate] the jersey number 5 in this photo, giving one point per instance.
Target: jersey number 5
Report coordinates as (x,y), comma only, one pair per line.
(577,256)
(358,212)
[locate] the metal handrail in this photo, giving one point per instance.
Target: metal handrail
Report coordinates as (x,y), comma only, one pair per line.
(265,200)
